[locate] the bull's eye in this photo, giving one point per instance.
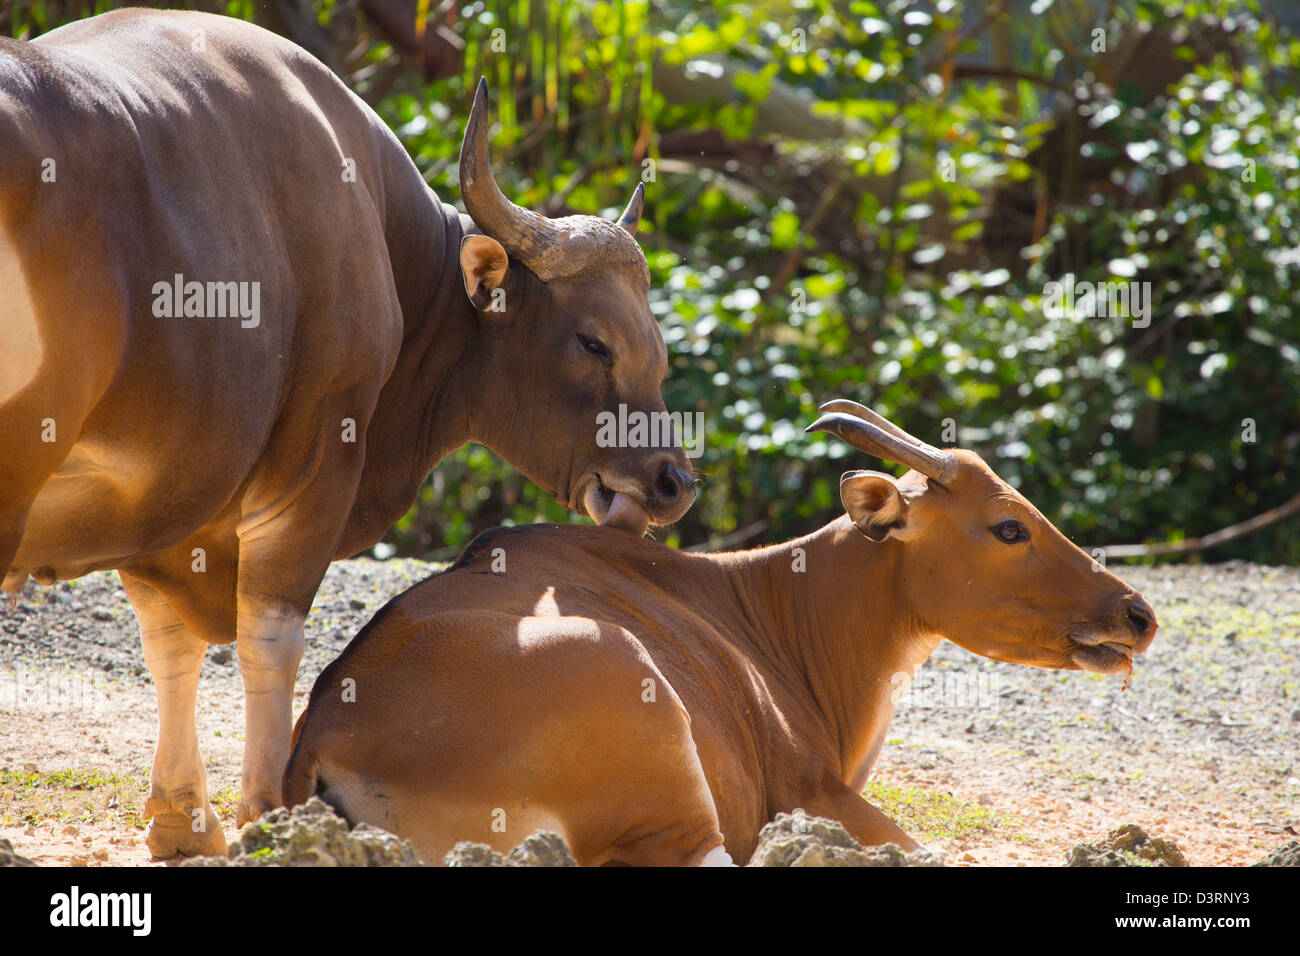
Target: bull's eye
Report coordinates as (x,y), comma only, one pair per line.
(1010,532)
(594,346)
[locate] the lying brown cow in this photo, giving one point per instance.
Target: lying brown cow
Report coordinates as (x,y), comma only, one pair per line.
(653,706)
(237,330)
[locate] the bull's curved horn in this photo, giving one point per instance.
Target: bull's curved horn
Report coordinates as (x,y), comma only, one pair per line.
(528,236)
(632,214)
(866,431)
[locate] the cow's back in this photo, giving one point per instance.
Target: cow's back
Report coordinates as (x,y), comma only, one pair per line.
(139,147)
(676,605)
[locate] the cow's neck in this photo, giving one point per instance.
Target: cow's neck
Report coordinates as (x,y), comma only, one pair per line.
(840,631)
(425,409)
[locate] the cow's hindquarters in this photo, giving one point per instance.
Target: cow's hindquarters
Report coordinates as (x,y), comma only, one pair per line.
(485,727)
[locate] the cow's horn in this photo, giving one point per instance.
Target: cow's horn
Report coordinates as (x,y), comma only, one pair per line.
(526,235)
(632,214)
(866,431)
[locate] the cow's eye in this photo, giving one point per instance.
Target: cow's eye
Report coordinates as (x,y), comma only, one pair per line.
(594,346)
(1010,532)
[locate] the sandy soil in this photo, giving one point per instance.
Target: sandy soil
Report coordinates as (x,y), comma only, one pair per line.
(990,764)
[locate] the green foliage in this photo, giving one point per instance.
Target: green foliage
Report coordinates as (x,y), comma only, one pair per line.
(900,252)
(1117,433)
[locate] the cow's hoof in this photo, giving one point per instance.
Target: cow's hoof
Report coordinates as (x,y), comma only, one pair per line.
(180,834)
(250,808)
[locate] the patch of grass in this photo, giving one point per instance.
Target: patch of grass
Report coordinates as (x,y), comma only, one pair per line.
(72,779)
(929,814)
(70,796)
(1210,624)
(226,802)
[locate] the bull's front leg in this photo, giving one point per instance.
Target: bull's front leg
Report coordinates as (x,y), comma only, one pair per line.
(271,643)
(864,822)
(182,820)
(293,511)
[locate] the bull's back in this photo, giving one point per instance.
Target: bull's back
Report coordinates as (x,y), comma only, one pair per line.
(141,153)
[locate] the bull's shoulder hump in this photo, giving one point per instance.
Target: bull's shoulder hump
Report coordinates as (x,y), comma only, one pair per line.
(184,65)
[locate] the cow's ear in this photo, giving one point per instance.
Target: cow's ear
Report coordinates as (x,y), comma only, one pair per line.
(483,266)
(876,505)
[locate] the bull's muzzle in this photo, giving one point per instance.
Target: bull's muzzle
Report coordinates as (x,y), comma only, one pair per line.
(634,505)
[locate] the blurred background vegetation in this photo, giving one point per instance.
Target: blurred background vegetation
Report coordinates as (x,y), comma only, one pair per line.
(867,199)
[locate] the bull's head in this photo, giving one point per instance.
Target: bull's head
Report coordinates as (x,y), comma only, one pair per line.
(565,312)
(980,565)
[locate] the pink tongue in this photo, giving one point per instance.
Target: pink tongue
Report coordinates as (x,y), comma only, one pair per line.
(624,513)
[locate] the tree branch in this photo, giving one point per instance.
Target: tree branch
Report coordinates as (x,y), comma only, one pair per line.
(1222,536)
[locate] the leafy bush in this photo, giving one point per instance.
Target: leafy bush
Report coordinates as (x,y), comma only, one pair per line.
(882,194)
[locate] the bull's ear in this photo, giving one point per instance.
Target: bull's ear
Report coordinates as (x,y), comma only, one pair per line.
(874,502)
(483,265)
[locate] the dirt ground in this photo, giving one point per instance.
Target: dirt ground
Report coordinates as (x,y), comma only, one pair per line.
(990,764)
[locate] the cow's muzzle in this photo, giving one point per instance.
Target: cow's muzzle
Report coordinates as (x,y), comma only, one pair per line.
(1110,650)
(612,501)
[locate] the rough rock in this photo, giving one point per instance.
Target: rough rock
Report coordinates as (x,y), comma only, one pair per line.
(473,854)
(1128,845)
(9,858)
(796,839)
(543,848)
(1288,855)
(312,835)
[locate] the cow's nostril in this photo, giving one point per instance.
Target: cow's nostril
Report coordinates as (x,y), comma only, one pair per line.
(1141,618)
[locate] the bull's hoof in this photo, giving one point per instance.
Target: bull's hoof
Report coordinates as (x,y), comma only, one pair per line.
(250,808)
(179,834)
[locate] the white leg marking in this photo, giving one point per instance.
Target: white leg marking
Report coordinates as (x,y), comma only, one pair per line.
(718,856)
(174,657)
(270,648)
(182,818)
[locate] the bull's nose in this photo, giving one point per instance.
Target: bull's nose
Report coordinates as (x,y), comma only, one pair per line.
(673,486)
(1141,619)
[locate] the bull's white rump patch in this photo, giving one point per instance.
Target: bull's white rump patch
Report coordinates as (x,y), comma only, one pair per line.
(21,348)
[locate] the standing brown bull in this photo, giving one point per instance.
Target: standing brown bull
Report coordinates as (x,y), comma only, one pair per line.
(237,330)
(659,707)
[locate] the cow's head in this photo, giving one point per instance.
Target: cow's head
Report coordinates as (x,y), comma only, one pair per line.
(979,564)
(569,338)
